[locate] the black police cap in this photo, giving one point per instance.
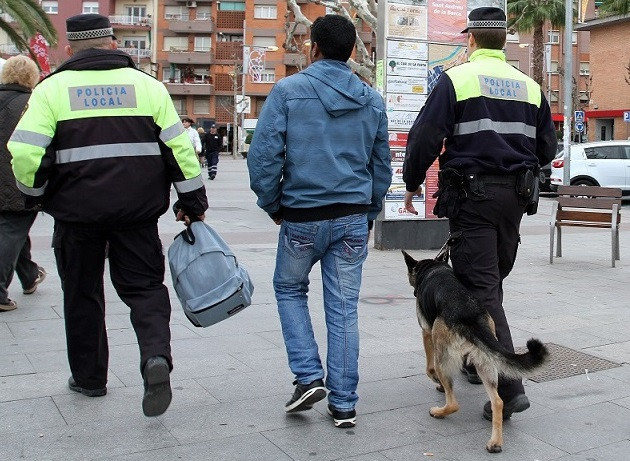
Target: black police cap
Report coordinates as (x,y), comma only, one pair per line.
(88,26)
(486,17)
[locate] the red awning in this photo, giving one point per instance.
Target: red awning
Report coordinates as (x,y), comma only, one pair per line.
(557,117)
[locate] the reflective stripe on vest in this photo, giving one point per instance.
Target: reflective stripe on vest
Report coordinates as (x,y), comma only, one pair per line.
(500,127)
(188,185)
(78,154)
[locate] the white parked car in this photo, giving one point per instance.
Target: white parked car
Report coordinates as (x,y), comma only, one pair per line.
(601,163)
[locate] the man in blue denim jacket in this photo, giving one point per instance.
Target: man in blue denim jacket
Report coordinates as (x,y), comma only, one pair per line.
(319,163)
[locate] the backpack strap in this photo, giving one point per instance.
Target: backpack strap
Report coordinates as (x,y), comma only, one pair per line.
(188,236)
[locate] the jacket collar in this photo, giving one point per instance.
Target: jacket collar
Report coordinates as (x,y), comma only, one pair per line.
(484,53)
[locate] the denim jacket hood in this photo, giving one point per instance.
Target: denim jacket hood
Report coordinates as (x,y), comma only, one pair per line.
(340,91)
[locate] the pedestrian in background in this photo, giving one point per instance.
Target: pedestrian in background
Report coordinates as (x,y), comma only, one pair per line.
(193,135)
(214,144)
(19,77)
(98,147)
(202,155)
(496,127)
(319,163)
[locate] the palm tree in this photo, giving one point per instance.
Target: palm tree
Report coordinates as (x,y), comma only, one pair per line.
(614,7)
(30,19)
(531,15)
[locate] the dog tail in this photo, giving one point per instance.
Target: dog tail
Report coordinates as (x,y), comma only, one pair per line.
(508,364)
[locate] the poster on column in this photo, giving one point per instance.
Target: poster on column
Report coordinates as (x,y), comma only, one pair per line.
(395,198)
(407,50)
(443,57)
(447,19)
(405,102)
(406,21)
(406,67)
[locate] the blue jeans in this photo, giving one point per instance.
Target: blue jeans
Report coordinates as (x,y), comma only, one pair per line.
(341,247)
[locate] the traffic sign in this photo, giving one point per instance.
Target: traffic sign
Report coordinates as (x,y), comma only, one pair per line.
(626,116)
(579,115)
(579,127)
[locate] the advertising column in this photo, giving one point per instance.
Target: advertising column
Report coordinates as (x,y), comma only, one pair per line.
(417,40)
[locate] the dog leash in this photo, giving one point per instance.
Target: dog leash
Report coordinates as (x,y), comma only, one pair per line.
(445,252)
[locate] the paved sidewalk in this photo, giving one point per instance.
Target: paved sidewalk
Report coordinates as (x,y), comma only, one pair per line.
(231,380)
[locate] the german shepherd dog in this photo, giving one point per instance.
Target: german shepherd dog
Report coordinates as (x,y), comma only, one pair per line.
(455,325)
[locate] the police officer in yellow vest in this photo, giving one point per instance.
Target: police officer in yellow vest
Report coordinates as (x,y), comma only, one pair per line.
(496,128)
(98,148)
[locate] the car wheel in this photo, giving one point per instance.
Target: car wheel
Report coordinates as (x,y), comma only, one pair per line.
(583,182)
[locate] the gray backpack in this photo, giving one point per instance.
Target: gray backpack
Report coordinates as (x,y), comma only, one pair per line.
(208,280)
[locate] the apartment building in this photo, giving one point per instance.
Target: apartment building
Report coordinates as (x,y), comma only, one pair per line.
(608,113)
(202,47)
(519,53)
(131,21)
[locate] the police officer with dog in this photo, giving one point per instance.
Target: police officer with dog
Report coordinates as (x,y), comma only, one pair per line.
(98,148)
(496,128)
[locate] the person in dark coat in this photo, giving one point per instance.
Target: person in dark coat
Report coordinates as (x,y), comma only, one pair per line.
(19,77)
(213,145)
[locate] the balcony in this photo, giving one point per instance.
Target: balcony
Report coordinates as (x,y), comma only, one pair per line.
(189,89)
(130,22)
(9,49)
(301,29)
(294,59)
(190,57)
(137,53)
(230,20)
(182,26)
(223,82)
(228,52)
(365,36)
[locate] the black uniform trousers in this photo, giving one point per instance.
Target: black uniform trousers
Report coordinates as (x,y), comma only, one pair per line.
(485,253)
(213,163)
(136,264)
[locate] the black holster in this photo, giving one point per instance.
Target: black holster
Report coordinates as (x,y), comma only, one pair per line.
(528,189)
(450,193)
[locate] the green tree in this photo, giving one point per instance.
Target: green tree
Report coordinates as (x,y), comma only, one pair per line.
(30,19)
(614,7)
(531,16)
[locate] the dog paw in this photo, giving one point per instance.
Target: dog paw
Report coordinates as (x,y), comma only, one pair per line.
(493,448)
(436,412)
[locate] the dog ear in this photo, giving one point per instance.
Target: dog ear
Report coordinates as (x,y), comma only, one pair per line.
(411,263)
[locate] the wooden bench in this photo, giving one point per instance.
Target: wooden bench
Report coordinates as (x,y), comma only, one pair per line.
(586,206)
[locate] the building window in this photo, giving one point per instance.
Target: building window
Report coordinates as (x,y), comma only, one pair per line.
(203,43)
(176,76)
(175,12)
(90,7)
(231,6)
(265,12)
(202,75)
(554,67)
(201,106)
(585,68)
(514,63)
(204,13)
(574,36)
(175,44)
(264,42)
(554,96)
(136,13)
(266,76)
(513,37)
(553,36)
(584,99)
(134,42)
(180,105)
(50,7)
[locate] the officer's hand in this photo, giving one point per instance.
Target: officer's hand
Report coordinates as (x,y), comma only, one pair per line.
(183,217)
(409,200)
